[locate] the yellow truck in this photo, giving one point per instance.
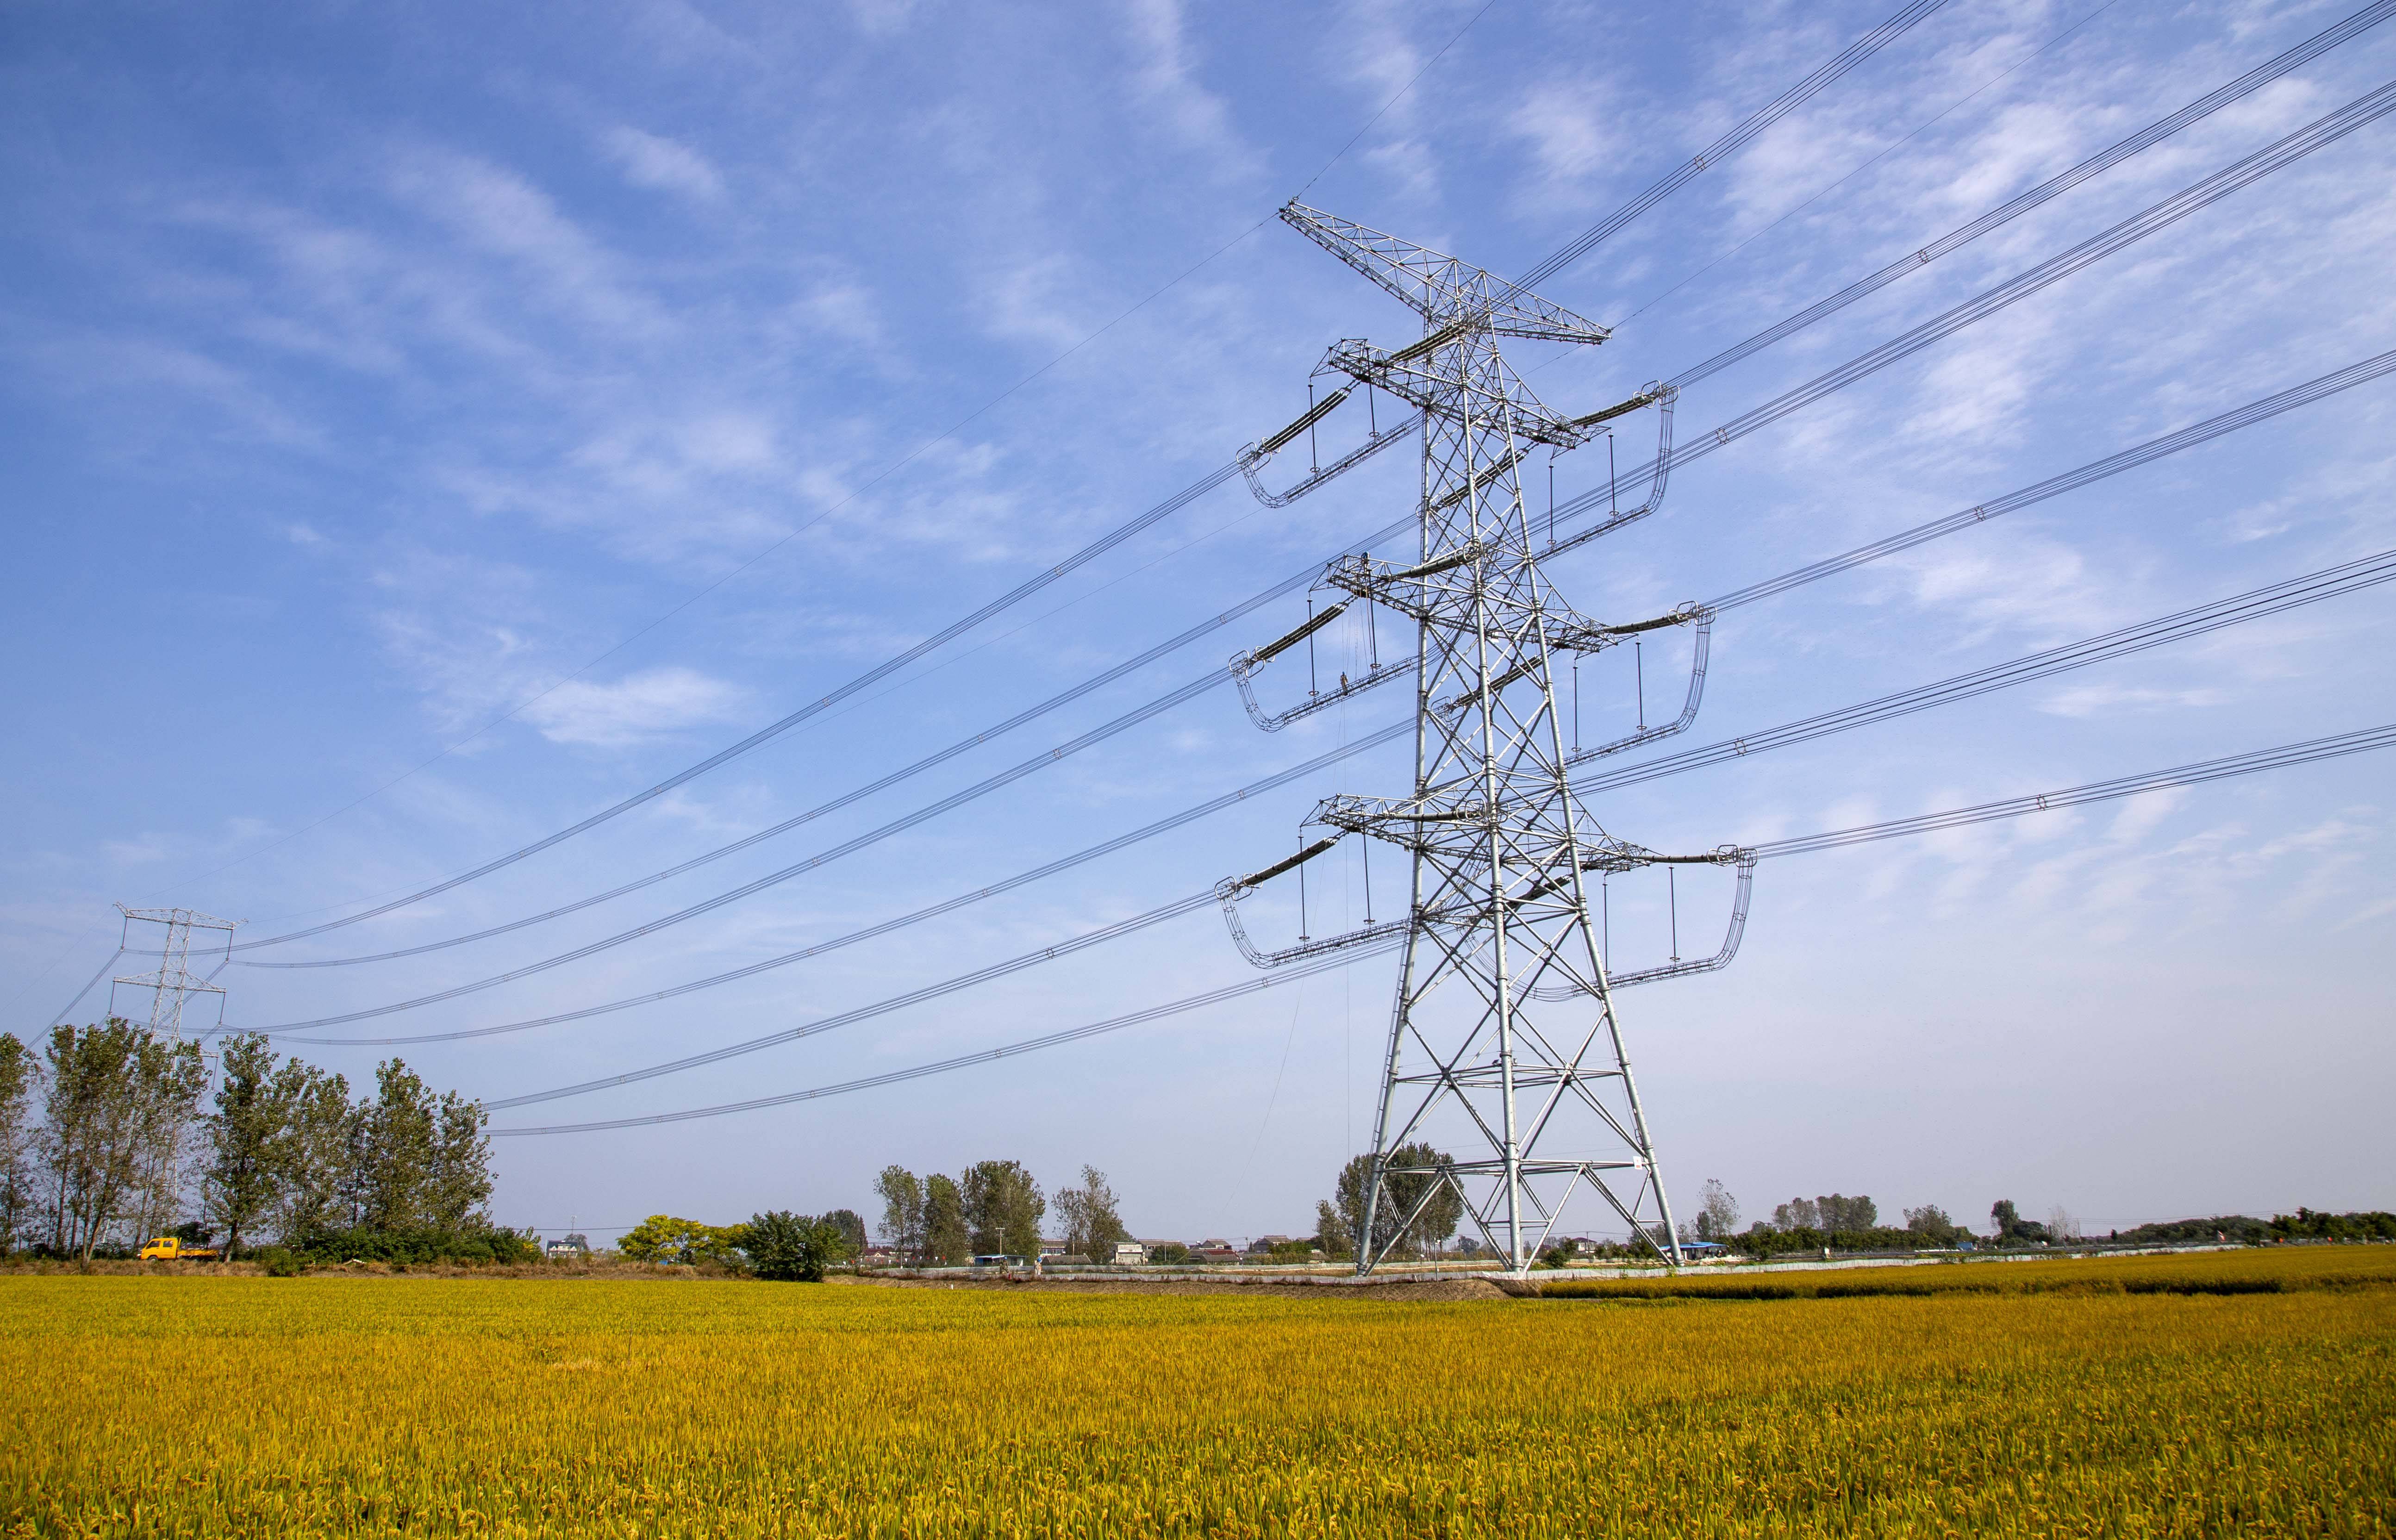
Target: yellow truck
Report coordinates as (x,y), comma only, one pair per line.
(169,1248)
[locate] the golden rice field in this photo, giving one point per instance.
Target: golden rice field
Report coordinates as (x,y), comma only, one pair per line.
(2060,1405)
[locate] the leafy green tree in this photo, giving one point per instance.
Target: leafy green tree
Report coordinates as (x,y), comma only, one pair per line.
(1718,1220)
(460,1183)
(1003,1208)
(1170,1253)
(20,1072)
(791,1247)
(1092,1224)
(946,1238)
(681,1243)
(1930,1222)
(400,1151)
(1401,1190)
(851,1226)
(116,1102)
(245,1138)
(902,1212)
(1332,1232)
(2006,1220)
(315,1168)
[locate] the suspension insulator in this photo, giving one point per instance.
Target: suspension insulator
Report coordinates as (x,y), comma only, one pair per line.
(1313,415)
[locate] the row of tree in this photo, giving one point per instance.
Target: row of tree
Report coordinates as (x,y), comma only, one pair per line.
(107,1137)
(992,1208)
(775,1244)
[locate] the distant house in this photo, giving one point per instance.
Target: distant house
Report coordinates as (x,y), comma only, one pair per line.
(1053,1248)
(1130,1253)
(568,1245)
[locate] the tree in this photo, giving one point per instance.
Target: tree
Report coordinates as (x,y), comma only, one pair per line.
(1718,1220)
(1931,1223)
(460,1182)
(945,1236)
(789,1247)
(1796,1213)
(19,1073)
(2006,1220)
(1003,1208)
(314,1169)
(681,1243)
(851,1226)
(116,1102)
(1088,1212)
(1442,1208)
(245,1136)
(1331,1232)
(399,1154)
(902,1212)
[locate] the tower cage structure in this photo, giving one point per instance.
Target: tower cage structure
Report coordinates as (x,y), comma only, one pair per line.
(1504,1042)
(173,984)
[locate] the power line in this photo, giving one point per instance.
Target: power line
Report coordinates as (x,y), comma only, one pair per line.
(2053,486)
(2312,135)
(1945,112)
(945,906)
(1573,513)
(2323,131)
(2195,773)
(2054,187)
(2253,604)
(1581,244)
(1732,142)
(2096,471)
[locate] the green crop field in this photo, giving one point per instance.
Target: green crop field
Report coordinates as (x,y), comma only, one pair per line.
(2252,1393)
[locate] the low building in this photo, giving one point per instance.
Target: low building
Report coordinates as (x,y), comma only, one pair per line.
(569,1245)
(1130,1253)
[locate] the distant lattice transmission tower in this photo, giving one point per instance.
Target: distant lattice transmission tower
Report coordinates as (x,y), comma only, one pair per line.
(174,984)
(1504,1047)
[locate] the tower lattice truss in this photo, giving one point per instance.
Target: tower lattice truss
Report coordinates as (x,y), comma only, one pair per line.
(174,984)
(1505,1050)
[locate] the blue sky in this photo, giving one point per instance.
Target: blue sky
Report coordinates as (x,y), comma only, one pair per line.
(425,426)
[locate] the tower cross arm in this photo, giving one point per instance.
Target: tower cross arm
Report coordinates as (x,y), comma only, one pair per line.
(1576,634)
(1440,287)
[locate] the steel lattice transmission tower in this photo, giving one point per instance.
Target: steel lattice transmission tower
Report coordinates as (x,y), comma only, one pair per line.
(1504,1044)
(174,984)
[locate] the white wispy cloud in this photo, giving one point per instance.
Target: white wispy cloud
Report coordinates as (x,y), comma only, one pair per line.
(635,708)
(663,164)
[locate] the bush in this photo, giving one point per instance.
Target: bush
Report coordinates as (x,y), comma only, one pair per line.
(400,1247)
(789,1247)
(282,1262)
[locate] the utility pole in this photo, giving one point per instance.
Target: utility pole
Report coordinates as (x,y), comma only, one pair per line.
(1503,1040)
